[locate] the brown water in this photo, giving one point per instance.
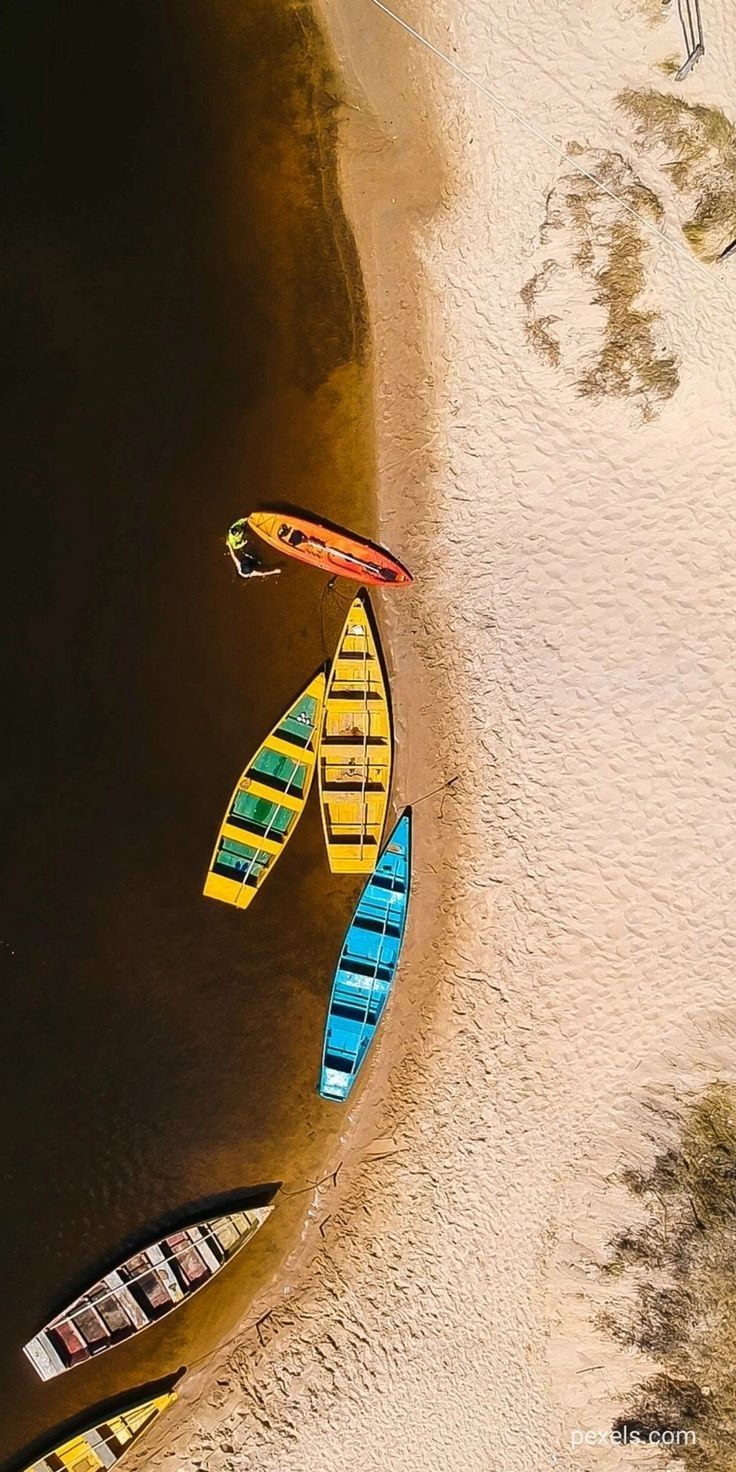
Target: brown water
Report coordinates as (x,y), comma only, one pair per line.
(186,337)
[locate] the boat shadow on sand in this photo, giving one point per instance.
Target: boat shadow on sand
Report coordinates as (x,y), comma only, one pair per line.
(96,1415)
(188,1215)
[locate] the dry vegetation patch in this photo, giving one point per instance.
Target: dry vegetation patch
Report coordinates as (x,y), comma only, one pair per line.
(654,11)
(585,305)
(700,144)
(680,1264)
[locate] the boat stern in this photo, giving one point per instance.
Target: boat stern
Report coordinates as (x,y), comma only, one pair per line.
(229,891)
(334,1084)
(42,1355)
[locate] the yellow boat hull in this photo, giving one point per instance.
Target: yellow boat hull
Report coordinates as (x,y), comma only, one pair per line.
(267,803)
(101,1445)
(356,746)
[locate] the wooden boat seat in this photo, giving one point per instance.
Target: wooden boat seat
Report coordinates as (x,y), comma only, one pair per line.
(279,784)
(352,695)
(259,830)
(361,967)
(351,784)
(395,885)
(377,927)
(342,738)
(342,1062)
(353,837)
(351,1013)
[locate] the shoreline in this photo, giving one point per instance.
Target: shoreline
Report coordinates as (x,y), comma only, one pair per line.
(220,353)
(210,1393)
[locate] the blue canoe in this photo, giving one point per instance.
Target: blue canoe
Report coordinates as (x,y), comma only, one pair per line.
(367,965)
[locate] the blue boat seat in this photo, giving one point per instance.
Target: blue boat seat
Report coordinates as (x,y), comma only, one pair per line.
(382,926)
(367,965)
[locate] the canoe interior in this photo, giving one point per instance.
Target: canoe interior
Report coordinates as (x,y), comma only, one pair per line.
(356,746)
(102,1445)
(367,965)
(267,802)
(143,1289)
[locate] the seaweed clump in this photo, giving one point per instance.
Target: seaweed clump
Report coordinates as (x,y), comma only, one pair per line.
(603,335)
(681,1263)
(701,144)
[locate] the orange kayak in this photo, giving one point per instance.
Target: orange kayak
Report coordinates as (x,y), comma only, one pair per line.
(338,553)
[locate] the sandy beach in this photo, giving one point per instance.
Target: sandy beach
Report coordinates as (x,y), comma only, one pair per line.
(567,650)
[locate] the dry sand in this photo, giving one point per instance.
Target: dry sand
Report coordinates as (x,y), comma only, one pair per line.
(568,647)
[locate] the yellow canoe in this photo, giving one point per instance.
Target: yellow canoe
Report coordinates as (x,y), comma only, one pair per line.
(355,746)
(267,802)
(102,1445)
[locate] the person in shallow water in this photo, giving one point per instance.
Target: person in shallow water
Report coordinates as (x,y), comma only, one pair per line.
(247,563)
